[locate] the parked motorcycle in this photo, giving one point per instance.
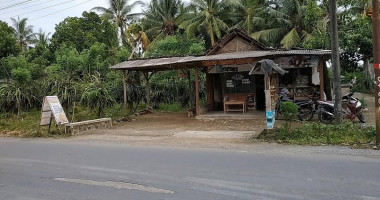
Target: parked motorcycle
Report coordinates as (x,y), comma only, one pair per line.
(305,108)
(352,109)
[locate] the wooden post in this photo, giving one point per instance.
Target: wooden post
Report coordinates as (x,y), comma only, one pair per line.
(268,101)
(321,81)
(197,107)
(147,89)
(376,64)
(125,92)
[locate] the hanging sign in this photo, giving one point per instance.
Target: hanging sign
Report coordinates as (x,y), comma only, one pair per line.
(52,107)
(299,61)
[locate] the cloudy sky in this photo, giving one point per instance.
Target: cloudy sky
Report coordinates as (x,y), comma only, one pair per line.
(45,14)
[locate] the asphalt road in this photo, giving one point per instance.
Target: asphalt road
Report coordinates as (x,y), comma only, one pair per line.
(60,169)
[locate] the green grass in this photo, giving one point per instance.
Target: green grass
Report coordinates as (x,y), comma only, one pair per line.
(319,134)
(27,123)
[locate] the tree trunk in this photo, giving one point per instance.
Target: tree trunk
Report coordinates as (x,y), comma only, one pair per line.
(368,70)
(147,89)
(335,63)
(122,37)
(100,111)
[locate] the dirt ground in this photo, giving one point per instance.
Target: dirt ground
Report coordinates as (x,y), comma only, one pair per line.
(178,130)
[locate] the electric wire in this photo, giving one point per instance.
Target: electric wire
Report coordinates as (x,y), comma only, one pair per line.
(34,5)
(60,10)
(51,6)
(17,4)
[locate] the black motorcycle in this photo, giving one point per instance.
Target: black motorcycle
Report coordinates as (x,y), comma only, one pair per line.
(352,109)
(305,108)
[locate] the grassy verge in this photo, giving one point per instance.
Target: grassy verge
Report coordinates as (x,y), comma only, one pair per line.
(27,124)
(322,134)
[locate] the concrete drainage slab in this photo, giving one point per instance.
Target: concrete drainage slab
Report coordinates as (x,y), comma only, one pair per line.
(217,134)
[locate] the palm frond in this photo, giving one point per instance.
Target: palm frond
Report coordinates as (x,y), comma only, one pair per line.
(292,39)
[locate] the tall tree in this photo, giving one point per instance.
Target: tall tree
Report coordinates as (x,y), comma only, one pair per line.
(83,32)
(137,39)
(292,23)
(163,17)
(23,32)
(119,12)
(42,37)
(248,14)
(207,16)
(8,42)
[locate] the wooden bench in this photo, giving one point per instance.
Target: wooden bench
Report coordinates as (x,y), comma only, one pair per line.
(236,100)
(233,102)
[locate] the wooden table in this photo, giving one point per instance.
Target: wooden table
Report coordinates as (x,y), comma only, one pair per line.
(227,103)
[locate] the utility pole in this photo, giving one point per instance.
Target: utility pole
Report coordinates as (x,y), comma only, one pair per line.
(376,63)
(335,63)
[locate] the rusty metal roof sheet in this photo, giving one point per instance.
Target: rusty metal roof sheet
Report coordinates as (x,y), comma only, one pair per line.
(258,54)
(172,62)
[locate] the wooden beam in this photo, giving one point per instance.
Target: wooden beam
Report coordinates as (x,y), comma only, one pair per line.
(209,63)
(197,107)
(125,92)
(245,61)
(226,62)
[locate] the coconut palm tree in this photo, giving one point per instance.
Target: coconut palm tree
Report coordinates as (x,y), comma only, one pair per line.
(41,38)
(120,13)
(287,25)
(248,14)
(137,38)
(163,17)
(23,32)
(207,16)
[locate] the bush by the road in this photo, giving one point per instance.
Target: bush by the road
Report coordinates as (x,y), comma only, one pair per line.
(319,134)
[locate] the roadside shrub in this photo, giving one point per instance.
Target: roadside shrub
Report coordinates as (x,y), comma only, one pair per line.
(15,97)
(316,134)
(289,110)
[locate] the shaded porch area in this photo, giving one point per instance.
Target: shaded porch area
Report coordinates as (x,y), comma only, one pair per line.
(250,114)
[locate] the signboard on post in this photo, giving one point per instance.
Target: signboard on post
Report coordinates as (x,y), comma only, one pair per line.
(51,107)
(270,116)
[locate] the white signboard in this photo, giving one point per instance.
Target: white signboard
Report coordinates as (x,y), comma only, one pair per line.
(52,107)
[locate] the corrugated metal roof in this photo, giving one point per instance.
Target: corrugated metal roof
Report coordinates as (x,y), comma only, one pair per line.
(144,63)
(258,54)
(166,62)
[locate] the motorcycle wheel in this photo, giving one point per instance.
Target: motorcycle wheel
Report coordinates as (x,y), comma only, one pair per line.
(361,117)
(305,114)
(325,118)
